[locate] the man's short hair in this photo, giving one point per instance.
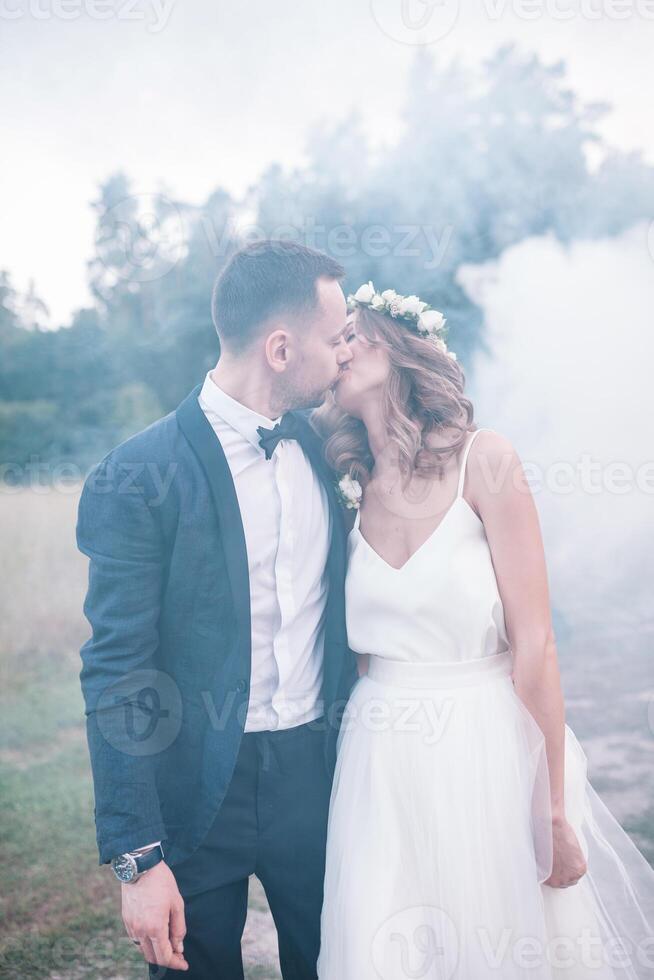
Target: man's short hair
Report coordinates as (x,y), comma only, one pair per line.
(263,280)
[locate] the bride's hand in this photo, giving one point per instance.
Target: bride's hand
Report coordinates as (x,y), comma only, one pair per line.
(568,861)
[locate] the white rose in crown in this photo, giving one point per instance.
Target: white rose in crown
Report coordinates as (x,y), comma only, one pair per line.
(350,492)
(365,293)
(411,304)
(431,321)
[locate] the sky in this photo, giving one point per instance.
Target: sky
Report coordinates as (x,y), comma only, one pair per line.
(189,95)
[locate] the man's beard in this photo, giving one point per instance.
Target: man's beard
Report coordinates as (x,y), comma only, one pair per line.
(291,397)
(313,401)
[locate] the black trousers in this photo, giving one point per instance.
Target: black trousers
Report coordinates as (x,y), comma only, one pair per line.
(272,823)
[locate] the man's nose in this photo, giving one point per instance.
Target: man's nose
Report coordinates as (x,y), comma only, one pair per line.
(345,354)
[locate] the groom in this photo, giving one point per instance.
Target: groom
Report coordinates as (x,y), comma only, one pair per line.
(218,666)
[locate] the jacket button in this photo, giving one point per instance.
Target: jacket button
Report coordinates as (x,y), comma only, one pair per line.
(242,686)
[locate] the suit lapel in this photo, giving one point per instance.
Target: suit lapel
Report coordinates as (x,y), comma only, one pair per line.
(199,433)
(197,429)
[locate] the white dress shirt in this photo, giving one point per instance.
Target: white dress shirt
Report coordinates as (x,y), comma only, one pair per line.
(287,526)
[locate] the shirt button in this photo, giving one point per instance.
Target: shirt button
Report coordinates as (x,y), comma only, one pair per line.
(242,686)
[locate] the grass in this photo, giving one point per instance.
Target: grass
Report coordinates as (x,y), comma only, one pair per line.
(60,911)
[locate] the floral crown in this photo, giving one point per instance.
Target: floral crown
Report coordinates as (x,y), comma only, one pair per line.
(418,316)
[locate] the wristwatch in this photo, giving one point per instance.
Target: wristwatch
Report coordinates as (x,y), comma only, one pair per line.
(129,867)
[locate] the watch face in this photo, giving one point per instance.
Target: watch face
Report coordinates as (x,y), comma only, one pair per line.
(124,867)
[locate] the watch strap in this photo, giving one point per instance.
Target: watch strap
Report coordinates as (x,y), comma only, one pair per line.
(148,860)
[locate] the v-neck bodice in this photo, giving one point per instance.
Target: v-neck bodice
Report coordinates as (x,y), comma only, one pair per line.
(442,604)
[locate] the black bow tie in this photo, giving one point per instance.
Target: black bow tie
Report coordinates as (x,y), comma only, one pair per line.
(288,428)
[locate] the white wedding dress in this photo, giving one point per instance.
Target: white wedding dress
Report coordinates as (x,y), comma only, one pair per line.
(439,837)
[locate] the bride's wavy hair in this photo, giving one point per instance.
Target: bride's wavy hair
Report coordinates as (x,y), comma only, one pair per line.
(423,394)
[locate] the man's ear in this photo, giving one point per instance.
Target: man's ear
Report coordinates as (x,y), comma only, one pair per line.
(276,350)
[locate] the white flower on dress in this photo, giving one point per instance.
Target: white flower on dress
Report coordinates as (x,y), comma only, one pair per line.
(350,492)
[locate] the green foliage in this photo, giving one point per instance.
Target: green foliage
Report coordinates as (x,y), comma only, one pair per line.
(26,429)
(483,159)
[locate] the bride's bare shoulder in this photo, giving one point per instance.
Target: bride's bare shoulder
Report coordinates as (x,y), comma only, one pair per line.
(492,461)
(494,467)
(488,441)
(492,445)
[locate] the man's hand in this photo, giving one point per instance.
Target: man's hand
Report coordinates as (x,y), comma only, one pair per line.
(153,913)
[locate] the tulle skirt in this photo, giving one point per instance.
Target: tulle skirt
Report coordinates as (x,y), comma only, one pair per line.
(439,841)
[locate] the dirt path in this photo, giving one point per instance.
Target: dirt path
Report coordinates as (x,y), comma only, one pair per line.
(260,938)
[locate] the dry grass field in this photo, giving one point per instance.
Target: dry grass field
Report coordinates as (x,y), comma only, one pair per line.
(60,911)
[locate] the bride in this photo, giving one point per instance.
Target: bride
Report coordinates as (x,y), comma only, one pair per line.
(464,840)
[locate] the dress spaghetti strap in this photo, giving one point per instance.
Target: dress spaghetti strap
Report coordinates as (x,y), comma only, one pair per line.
(462,473)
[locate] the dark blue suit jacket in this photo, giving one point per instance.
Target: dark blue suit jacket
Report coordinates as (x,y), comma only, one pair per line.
(165,675)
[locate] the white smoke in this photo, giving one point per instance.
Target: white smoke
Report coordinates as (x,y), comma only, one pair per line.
(571,340)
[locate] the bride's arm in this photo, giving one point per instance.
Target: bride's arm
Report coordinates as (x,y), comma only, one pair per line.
(498,489)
